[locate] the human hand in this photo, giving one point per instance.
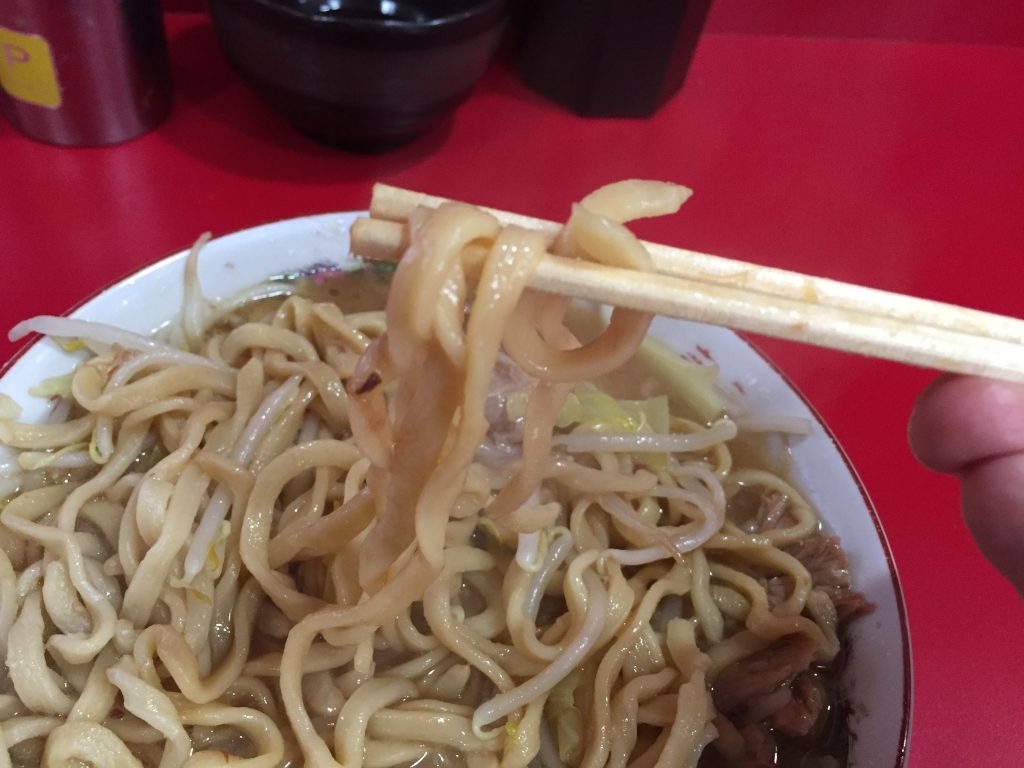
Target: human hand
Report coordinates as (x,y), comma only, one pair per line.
(974,429)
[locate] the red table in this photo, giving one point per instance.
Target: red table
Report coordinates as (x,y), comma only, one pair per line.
(898,164)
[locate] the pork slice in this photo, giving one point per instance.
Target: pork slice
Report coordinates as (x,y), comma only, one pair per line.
(798,717)
(825,560)
(771,511)
(850,605)
(763,672)
(777,589)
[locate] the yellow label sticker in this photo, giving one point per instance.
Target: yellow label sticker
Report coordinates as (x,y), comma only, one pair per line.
(26,69)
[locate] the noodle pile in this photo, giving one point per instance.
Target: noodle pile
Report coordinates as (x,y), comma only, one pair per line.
(304,537)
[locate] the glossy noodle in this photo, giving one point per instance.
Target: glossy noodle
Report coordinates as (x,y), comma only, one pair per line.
(296,534)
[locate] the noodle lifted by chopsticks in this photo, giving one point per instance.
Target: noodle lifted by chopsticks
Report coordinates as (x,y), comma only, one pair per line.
(305,540)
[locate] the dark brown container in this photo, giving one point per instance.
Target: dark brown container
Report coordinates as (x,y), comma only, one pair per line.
(611,58)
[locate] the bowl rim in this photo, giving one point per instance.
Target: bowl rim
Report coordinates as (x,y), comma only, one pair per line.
(475,11)
(906,705)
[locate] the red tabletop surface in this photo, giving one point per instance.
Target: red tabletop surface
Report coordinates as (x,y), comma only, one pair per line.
(885,161)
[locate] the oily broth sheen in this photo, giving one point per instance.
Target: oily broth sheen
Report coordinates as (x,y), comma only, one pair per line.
(357,290)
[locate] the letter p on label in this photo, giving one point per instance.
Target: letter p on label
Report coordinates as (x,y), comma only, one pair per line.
(26,69)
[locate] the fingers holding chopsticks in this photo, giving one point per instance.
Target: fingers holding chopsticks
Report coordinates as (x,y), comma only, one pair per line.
(960,420)
(974,428)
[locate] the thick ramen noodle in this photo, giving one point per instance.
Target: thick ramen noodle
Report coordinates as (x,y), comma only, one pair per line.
(303,533)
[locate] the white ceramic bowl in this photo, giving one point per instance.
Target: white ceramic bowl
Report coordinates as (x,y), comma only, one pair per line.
(878,675)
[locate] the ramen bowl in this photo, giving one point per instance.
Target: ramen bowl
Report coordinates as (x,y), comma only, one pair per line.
(876,680)
(364,74)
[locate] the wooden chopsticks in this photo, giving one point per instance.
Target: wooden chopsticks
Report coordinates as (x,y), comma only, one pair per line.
(748,297)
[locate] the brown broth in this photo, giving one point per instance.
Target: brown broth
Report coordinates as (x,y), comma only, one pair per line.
(364,289)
